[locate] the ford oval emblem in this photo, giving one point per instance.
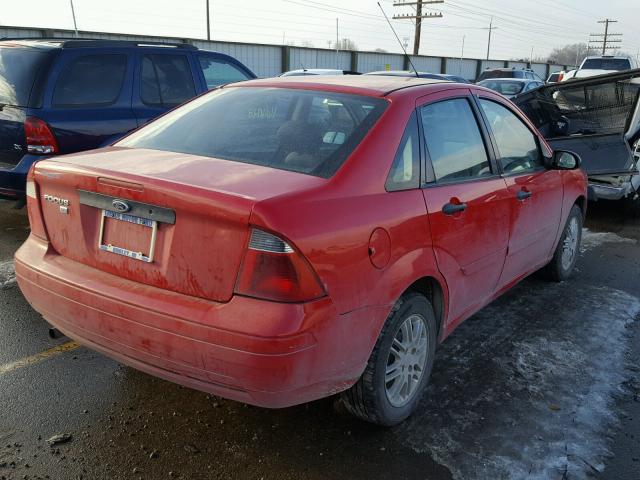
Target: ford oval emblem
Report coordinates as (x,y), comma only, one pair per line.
(120,206)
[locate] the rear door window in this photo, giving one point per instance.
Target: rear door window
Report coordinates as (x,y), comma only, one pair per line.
(454,141)
(218,71)
(166,80)
(90,80)
(405,171)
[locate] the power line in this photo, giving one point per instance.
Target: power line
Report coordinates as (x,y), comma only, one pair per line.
(606,37)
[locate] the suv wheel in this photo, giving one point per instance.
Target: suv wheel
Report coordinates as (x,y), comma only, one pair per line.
(566,254)
(399,367)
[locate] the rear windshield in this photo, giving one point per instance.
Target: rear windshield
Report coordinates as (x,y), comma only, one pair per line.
(18,70)
(505,88)
(606,64)
(496,74)
(304,131)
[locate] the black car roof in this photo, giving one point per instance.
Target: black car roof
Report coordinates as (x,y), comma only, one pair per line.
(50,43)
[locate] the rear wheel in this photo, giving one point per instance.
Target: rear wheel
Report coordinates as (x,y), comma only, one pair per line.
(399,367)
(566,254)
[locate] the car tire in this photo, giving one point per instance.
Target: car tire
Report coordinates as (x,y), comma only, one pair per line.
(568,248)
(377,397)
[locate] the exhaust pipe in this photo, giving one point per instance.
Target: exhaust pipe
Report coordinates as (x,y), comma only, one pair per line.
(55,333)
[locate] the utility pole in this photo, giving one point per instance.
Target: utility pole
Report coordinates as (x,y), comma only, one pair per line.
(337,45)
(461,55)
(418,17)
(208,23)
(606,37)
(73,14)
(531,58)
(491,29)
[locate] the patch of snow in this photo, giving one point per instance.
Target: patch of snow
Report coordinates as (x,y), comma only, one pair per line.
(525,388)
(7,274)
(591,240)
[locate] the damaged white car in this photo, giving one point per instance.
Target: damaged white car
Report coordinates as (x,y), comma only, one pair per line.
(599,119)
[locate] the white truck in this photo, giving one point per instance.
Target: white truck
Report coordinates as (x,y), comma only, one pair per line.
(603,64)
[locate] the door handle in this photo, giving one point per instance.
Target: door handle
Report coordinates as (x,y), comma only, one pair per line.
(453,208)
(523,195)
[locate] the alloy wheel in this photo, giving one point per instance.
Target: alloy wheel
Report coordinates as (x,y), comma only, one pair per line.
(406,361)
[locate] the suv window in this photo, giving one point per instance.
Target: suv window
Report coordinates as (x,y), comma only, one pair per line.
(405,171)
(90,80)
(218,71)
(454,141)
(517,145)
(166,80)
(19,68)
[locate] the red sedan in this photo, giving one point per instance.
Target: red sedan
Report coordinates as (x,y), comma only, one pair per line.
(282,240)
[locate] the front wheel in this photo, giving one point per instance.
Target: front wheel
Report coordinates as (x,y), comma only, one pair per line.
(399,367)
(566,254)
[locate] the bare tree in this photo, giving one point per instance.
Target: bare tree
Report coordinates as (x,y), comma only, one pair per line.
(570,54)
(345,44)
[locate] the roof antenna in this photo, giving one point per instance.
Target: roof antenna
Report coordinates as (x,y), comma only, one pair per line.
(398,38)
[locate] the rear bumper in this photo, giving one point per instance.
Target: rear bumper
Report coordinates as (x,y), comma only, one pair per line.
(280,354)
(13,180)
(599,191)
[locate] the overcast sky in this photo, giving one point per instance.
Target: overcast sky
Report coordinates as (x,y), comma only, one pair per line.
(521,25)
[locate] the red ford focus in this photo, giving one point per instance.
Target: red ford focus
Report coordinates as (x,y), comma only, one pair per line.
(282,240)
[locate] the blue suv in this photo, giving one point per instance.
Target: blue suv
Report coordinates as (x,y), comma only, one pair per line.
(63,96)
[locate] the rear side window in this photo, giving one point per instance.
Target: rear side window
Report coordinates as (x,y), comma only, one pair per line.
(91,80)
(304,131)
(166,80)
(218,71)
(405,171)
(518,148)
(18,70)
(453,141)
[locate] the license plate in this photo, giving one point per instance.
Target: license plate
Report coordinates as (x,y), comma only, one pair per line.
(136,222)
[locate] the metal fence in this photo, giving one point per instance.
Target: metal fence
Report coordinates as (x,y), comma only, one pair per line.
(271,60)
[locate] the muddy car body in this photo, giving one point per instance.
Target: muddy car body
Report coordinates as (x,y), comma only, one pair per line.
(314,241)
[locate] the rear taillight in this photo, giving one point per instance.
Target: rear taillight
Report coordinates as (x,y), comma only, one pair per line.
(33,208)
(273,270)
(39,137)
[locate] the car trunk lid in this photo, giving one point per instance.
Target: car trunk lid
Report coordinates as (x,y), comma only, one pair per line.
(12,139)
(186,222)
(592,117)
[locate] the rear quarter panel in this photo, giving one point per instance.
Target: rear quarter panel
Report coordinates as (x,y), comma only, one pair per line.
(332,226)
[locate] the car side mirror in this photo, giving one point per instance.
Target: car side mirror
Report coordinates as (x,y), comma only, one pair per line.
(564,160)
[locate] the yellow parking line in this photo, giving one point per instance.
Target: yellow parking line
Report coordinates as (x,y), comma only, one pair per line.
(38,357)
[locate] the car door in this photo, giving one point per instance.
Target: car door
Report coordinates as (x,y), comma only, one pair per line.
(88,101)
(466,198)
(535,192)
(163,81)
